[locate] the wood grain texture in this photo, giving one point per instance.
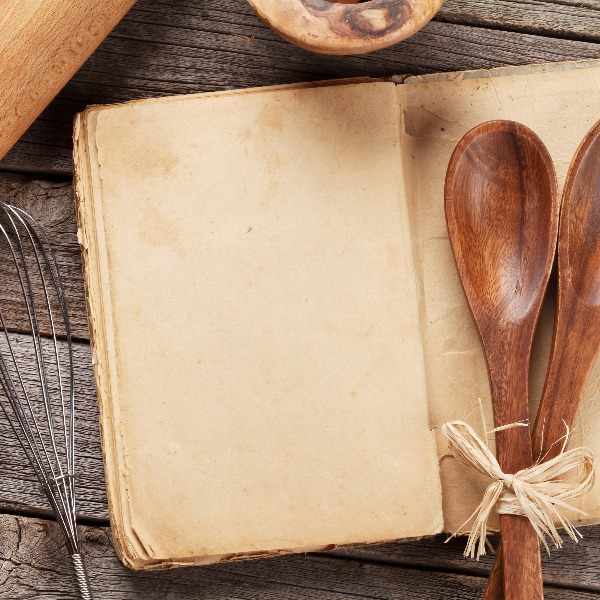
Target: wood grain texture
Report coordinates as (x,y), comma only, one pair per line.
(42,44)
(336,28)
(35,564)
(575,565)
(187,46)
(576,337)
(53,205)
(569,19)
(19,487)
(502,214)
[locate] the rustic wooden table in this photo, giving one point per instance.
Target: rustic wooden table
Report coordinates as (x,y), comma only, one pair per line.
(180,46)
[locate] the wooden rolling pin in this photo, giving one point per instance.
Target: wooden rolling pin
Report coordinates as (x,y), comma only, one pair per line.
(42,44)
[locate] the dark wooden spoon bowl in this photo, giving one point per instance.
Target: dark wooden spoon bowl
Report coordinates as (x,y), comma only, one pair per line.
(502,215)
(576,336)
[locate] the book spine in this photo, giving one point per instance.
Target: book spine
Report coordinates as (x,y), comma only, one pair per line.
(85,233)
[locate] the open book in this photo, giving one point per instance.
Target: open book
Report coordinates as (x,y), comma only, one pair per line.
(277,323)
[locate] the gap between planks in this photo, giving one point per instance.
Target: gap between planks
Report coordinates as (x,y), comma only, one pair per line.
(33,551)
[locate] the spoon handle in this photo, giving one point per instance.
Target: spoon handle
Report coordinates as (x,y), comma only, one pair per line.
(574,349)
(521,561)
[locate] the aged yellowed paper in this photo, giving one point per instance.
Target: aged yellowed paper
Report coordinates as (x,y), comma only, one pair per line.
(256,326)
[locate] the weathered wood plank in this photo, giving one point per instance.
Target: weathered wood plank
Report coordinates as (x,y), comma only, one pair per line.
(189,46)
(574,565)
(576,20)
(19,487)
(51,203)
(35,564)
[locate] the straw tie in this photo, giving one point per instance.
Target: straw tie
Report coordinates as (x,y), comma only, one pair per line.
(537,492)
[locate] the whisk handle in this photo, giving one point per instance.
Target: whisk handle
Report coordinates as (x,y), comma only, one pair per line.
(82,577)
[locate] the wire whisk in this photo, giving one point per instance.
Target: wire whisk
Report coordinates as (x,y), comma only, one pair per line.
(36,372)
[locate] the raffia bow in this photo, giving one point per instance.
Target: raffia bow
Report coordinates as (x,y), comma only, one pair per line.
(537,493)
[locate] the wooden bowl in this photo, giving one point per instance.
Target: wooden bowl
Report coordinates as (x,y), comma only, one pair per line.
(345,27)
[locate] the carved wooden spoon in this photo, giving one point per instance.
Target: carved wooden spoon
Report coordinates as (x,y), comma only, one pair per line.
(576,336)
(335,28)
(502,214)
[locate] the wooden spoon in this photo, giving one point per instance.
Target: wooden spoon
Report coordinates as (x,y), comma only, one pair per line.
(502,214)
(576,336)
(336,28)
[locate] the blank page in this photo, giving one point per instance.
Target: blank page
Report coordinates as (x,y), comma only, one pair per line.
(256,331)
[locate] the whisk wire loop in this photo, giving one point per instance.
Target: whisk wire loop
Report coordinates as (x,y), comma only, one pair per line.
(37,378)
